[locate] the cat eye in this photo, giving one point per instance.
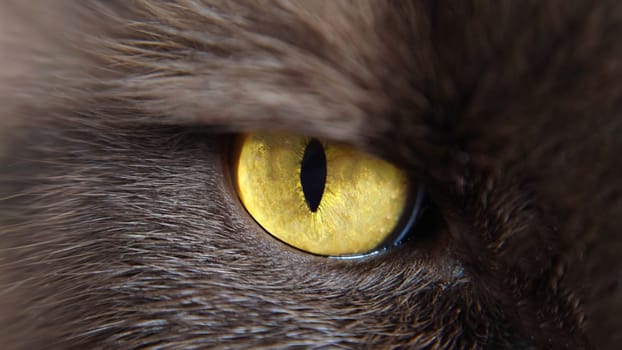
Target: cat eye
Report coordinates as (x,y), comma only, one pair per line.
(322,197)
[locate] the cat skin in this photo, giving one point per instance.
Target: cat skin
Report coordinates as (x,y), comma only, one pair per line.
(120,226)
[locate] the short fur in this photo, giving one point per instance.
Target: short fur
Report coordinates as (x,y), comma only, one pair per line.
(119,227)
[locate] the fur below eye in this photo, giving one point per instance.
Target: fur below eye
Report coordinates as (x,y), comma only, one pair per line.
(321,197)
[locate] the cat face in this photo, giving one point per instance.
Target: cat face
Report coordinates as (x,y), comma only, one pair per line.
(119,220)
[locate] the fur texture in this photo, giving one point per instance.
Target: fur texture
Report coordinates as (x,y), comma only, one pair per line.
(119,227)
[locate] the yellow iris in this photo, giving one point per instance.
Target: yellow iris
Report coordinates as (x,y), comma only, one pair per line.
(321,197)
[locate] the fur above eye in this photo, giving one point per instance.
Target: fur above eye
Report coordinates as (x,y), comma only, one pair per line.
(321,197)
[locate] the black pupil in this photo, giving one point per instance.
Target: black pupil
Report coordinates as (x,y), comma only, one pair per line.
(313,174)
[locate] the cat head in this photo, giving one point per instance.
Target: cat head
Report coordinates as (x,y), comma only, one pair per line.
(119,225)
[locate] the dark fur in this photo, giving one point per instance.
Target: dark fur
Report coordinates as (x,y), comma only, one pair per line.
(119,227)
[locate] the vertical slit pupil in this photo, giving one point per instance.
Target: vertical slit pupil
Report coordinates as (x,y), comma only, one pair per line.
(313,173)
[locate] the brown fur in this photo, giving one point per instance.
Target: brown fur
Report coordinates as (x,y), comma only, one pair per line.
(119,228)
